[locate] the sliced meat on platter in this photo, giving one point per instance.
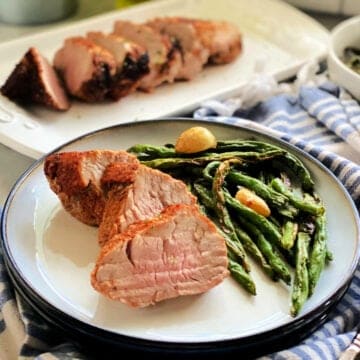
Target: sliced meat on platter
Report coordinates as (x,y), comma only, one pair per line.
(87,69)
(34,81)
(132,62)
(194,55)
(98,66)
(164,56)
(221,38)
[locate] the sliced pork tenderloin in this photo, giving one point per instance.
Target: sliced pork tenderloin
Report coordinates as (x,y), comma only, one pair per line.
(132,62)
(76,178)
(164,56)
(223,39)
(148,195)
(35,81)
(177,253)
(87,69)
(194,54)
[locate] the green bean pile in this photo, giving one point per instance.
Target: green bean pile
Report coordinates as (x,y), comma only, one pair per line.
(290,244)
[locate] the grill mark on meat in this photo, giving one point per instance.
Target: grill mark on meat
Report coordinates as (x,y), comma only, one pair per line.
(133,69)
(128,79)
(172,56)
(97,88)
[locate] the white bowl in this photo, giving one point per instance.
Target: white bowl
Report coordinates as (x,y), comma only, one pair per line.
(30,12)
(347,33)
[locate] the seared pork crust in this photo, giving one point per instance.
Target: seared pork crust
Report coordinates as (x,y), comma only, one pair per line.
(129,79)
(34,81)
(78,179)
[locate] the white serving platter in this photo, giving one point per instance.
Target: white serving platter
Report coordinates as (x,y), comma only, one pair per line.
(275,34)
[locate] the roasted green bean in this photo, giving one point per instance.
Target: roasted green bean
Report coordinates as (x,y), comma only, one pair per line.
(300,288)
(318,253)
(307,206)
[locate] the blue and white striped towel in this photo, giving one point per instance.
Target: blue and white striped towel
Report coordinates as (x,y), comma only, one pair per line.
(323,121)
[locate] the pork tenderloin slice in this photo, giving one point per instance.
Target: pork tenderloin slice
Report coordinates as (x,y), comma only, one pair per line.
(78,179)
(132,62)
(164,57)
(35,81)
(87,69)
(194,54)
(223,39)
(155,44)
(130,79)
(177,253)
(148,195)
(117,45)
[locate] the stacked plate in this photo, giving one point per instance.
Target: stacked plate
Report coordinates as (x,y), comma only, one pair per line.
(50,257)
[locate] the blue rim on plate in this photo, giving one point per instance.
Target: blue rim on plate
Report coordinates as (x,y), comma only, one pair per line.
(95,341)
(255,344)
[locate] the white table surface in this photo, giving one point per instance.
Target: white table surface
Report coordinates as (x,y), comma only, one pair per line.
(13,164)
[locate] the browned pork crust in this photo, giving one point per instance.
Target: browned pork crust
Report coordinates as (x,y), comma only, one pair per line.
(77,178)
(34,81)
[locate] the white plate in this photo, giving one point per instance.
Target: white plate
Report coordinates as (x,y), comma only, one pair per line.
(275,34)
(53,254)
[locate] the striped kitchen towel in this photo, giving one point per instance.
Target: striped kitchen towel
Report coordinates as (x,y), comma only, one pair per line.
(320,119)
(325,122)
